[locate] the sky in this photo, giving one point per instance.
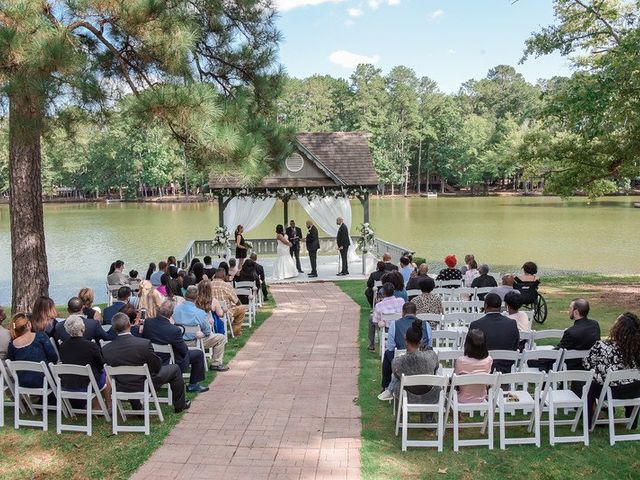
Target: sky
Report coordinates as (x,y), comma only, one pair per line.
(450,41)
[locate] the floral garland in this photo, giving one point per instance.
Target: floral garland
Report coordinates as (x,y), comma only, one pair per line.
(367,239)
(221,239)
(288,193)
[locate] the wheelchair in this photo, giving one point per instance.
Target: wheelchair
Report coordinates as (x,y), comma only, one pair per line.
(539,307)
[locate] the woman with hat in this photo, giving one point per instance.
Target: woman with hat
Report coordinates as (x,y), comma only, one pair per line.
(451,272)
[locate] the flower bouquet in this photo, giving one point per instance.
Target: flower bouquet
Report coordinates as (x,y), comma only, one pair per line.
(221,240)
(367,239)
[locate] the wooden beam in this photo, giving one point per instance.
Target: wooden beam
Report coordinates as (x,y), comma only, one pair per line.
(285,202)
(365,207)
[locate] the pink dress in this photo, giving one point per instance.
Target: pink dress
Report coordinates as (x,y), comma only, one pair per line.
(467,365)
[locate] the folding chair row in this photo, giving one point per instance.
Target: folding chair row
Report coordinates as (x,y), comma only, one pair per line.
(534,336)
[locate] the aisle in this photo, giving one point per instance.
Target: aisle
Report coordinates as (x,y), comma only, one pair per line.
(286,407)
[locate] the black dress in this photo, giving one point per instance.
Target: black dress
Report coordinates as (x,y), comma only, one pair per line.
(241,252)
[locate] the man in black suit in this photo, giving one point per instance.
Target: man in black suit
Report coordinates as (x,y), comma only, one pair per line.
(313,245)
(386,258)
(373,278)
(343,241)
(209,269)
(501,332)
(92,329)
(483,280)
(161,331)
(295,234)
(260,272)
(124,293)
(127,350)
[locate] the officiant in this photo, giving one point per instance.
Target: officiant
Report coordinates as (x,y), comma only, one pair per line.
(295,233)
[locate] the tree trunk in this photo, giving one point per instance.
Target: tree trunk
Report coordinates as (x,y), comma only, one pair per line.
(30,275)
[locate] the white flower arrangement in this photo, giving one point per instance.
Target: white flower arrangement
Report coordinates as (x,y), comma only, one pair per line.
(249,245)
(367,239)
(221,239)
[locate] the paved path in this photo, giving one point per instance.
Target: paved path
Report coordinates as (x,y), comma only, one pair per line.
(286,408)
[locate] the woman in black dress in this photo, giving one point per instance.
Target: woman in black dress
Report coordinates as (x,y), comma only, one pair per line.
(241,249)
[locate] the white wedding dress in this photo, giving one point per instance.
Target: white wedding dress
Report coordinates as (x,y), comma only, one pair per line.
(284,266)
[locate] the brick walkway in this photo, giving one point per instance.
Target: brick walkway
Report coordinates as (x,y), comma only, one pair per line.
(286,408)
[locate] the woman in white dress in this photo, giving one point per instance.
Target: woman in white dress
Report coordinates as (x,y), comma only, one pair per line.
(284,266)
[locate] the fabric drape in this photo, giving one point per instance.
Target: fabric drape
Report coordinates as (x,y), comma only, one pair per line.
(248,212)
(324,211)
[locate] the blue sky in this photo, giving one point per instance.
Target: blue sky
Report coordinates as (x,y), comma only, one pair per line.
(449,41)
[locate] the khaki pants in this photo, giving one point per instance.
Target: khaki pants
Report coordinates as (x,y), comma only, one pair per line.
(215,341)
(237,314)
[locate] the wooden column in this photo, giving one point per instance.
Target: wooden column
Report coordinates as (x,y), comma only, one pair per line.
(365,207)
(221,206)
(285,202)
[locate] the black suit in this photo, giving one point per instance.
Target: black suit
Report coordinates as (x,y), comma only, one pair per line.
(501,333)
(109,312)
(92,331)
(582,335)
(161,331)
(313,245)
(295,234)
(127,350)
(263,280)
(483,281)
(342,239)
(373,278)
(390,267)
(80,351)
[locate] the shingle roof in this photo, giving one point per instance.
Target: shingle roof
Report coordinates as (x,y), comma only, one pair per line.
(345,156)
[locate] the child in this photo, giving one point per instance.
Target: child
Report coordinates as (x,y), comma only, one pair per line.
(476,359)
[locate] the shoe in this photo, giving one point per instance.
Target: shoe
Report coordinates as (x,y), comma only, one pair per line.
(339,274)
(386,395)
(187,406)
(371,348)
(197,388)
(312,275)
(300,271)
(219,368)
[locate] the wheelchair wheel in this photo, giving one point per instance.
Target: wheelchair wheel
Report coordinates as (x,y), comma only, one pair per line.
(540,310)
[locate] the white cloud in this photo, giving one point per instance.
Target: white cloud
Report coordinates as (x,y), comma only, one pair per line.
(285,5)
(351,60)
(437,14)
(373,4)
(355,12)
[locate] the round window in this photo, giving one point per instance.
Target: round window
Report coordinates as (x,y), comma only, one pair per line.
(294,163)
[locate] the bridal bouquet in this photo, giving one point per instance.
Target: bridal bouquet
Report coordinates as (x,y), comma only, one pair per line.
(367,239)
(249,245)
(221,239)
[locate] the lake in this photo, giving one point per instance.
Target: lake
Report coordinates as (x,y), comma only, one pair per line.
(574,235)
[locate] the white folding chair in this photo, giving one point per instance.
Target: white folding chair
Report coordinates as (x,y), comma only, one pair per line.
(384,333)
(65,396)
(251,306)
(416,383)
(485,408)
(145,396)
(530,315)
(376,286)
(551,355)
(556,396)
(112,291)
(445,340)
(527,337)
(545,335)
(167,350)
(195,330)
(460,319)
(7,389)
(573,355)
(228,320)
(483,291)
(463,294)
(413,293)
(434,319)
(507,355)
(449,283)
(607,400)
(55,347)
(518,398)
(447,360)
(24,393)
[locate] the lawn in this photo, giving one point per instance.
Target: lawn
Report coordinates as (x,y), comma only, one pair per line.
(381,455)
(32,453)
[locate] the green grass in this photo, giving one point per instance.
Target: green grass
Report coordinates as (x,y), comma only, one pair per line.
(381,455)
(32,453)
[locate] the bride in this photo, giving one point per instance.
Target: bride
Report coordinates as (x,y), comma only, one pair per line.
(284,266)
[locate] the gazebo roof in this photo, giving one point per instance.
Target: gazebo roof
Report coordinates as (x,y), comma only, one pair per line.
(338,159)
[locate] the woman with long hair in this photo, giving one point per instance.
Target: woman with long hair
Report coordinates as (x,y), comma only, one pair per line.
(621,351)
(86,296)
(241,247)
(476,359)
(150,271)
(43,316)
(149,299)
(29,346)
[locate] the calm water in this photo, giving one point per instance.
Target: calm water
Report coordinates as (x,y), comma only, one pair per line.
(82,240)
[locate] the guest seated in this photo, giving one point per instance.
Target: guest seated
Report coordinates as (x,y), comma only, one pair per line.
(29,346)
(247,274)
(209,269)
(386,258)
(233,269)
(406,269)
(86,296)
(194,261)
(44,316)
(134,281)
(127,350)
(513,301)
(418,275)
(161,331)
(395,277)
(527,283)
(5,336)
(225,267)
(501,333)
(173,291)
(156,277)
(582,335)
(124,293)
(149,299)
(506,287)
(467,261)
(621,351)
(133,314)
(451,272)
(224,292)
(396,339)
(389,304)
(371,281)
(476,359)
(260,272)
(150,271)
(198,309)
(172,268)
(115,275)
(471,274)
(427,302)
(198,272)
(92,329)
(77,350)
(483,280)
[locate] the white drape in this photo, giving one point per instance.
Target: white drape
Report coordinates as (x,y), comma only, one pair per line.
(248,212)
(325,210)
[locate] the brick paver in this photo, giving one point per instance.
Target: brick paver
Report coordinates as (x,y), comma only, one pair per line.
(286,408)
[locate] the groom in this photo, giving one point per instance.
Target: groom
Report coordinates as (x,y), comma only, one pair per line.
(313,245)
(342,239)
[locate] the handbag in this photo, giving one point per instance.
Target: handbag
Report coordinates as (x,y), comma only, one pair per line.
(218,324)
